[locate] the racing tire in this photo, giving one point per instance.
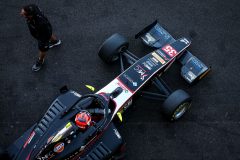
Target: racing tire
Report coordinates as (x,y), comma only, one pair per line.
(176,105)
(112,47)
(120,154)
(4,155)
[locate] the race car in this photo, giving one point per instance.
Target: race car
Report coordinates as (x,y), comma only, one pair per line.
(82,126)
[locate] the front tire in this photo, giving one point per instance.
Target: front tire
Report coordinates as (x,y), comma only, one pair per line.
(112,47)
(175,106)
(4,155)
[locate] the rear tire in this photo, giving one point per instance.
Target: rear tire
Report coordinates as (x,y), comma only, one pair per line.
(4,155)
(112,47)
(176,105)
(120,154)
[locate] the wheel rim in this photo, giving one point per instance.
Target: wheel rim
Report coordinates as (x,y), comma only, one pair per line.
(122,48)
(115,57)
(181,110)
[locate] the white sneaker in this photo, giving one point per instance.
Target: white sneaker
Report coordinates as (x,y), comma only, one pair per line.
(36,67)
(54,43)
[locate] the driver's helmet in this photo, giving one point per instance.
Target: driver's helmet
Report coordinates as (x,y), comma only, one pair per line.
(83,119)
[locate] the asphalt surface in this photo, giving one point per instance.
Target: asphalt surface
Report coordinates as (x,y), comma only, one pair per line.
(209,131)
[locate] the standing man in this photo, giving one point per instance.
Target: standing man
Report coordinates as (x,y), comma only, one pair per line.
(41,29)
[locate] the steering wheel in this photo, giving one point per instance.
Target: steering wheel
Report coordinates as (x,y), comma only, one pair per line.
(99,99)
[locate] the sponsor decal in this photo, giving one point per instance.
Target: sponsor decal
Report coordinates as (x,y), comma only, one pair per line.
(147,66)
(76,94)
(59,147)
(61,133)
(47,156)
(154,60)
(162,32)
(49,139)
(162,55)
(117,133)
(141,71)
(130,80)
(169,50)
(57,138)
(184,40)
(196,62)
(135,84)
(29,139)
(150,38)
(158,58)
(150,63)
(191,76)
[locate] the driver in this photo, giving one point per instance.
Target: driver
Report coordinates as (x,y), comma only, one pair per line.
(83,119)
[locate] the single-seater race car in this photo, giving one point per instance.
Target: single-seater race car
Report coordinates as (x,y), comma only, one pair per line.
(82,126)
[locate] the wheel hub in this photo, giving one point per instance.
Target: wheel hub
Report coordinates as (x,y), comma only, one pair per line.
(181,110)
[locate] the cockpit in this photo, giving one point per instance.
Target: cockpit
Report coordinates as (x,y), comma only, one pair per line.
(79,124)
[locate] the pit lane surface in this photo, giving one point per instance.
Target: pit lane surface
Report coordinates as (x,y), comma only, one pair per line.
(211,130)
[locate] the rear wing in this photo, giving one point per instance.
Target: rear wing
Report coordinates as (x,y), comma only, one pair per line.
(154,35)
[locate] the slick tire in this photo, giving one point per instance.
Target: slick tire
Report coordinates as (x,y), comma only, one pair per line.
(112,47)
(4,155)
(175,106)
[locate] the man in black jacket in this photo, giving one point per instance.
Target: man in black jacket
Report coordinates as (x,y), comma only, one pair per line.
(41,29)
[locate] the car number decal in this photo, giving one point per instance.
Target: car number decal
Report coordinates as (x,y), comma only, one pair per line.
(170,50)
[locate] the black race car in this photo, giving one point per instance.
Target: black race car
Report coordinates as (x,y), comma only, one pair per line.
(82,127)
